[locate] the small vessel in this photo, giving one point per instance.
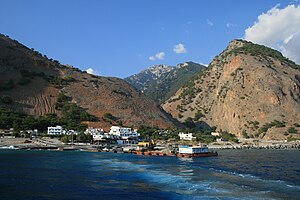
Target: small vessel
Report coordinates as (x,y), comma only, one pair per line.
(195,151)
(9,147)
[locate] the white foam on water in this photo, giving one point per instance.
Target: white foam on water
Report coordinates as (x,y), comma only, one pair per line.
(181,182)
(274,183)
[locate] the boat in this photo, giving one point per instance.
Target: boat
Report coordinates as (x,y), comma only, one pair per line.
(9,147)
(195,151)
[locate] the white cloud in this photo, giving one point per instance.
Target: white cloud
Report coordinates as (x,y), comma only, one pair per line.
(279,29)
(210,23)
(228,25)
(152,58)
(179,48)
(160,55)
(91,71)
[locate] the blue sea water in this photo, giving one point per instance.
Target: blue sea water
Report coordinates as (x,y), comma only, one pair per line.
(234,174)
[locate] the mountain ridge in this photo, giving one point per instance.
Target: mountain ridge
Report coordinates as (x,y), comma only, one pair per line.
(159,82)
(248,89)
(33,83)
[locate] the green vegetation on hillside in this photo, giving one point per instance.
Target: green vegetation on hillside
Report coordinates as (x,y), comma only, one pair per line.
(275,123)
(229,137)
(6,100)
(10,84)
(58,81)
(72,116)
(72,113)
(162,88)
(262,51)
(109,116)
(27,76)
(292,130)
(190,89)
(81,137)
(20,121)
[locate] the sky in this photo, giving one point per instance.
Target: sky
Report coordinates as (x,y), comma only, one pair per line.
(120,38)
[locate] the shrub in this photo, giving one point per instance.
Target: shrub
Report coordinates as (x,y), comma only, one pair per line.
(24,81)
(260,50)
(9,85)
(297,125)
(292,130)
(198,115)
(229,136)
(275,123)
(109,116)
(63,98)
(245,134)
(189,123)
(6,100)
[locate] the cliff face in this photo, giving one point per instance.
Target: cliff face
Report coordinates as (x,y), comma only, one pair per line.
(249,90)
(160,82)
(33,83)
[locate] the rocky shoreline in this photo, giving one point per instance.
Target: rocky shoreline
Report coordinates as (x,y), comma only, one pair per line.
(257,144)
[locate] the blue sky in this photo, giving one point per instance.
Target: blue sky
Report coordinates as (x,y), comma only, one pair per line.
(117,37)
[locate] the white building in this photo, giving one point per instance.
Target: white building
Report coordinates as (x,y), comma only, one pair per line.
(98,133)
(94,131)
(215,134)
(123,133)
(126,142)
(71,132)
(57,130)
(103,136)
(186,136)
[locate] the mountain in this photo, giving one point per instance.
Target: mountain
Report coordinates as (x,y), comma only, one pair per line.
(160,82)
(35,85)
(248,90)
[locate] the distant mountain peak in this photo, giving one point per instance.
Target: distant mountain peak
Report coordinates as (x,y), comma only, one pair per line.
(161,81)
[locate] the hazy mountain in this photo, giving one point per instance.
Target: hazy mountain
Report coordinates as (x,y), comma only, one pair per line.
(160,82)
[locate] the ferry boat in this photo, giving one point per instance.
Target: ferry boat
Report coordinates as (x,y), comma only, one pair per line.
(195,151)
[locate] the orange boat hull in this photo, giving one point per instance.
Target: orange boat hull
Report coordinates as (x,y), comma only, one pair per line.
(185,155)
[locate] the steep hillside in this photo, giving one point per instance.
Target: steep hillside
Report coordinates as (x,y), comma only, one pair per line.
(34,84)
(160,82)
(249,90)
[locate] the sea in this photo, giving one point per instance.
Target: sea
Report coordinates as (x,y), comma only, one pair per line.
(234,174)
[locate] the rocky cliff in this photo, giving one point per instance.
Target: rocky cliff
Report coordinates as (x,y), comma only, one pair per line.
(32,83)
(160,82)
(249,90)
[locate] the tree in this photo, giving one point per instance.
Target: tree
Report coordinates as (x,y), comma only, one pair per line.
(9,85)
(189,123)
(109,116)
(198,115)
(81,137)
(6,100)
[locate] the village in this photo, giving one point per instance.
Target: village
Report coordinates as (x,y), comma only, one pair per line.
(123,140)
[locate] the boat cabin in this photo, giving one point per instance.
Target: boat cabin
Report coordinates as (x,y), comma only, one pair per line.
(192,149)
